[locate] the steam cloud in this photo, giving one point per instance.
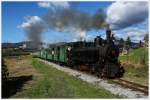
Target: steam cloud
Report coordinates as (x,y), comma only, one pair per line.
(123,14)
(61,17)
(74,21)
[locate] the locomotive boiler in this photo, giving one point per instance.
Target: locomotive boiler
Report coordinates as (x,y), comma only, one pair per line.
(100,58)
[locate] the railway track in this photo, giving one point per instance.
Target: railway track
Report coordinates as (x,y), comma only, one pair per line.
(131,85)
(127,84)
(124,83)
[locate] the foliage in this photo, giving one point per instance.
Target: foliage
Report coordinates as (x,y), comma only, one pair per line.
(136,74)
(128,43)
(146,38)
(5,72)
(121,43)
(13,52)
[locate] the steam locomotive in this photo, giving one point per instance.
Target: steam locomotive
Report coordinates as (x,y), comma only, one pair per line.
(99,57)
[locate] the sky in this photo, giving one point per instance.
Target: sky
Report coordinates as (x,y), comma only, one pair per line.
(125,19)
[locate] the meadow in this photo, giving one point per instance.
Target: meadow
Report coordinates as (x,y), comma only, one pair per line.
(136,65)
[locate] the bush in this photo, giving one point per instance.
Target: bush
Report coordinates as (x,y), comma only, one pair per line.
(5,72)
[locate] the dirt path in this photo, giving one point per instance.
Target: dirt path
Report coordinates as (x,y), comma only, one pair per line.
(22,76)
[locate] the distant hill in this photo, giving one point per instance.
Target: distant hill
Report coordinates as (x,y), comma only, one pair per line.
(133,44)
(23,44)
(14,45)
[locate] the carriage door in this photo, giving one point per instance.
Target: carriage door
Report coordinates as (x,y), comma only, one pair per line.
(58,53)
(52,53)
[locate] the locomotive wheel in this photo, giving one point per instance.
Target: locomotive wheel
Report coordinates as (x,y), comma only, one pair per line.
(99,69)
(98,72)
(70,64)
(76,67)
(103,73)
(92,71)
(120,74)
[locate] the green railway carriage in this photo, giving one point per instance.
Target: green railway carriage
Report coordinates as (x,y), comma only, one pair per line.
(43,54)
(63,53)
(40,54)
(49,54)
(56,53)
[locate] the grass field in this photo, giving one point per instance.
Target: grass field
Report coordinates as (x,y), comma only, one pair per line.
(51,83)
(138,75)
(136,66)
(136,56)
(57,84)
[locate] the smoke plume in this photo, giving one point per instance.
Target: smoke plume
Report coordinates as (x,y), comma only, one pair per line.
(34,26)
(74,21)
(61,17)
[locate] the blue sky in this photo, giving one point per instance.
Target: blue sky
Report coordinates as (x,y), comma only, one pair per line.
(13,14)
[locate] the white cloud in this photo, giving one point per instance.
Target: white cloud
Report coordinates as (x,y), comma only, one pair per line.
(54,5)
(33,26)
(44,4)
(136,35)
(33,22)
(124,14)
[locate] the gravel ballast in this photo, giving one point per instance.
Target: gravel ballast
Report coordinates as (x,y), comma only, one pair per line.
(113,88)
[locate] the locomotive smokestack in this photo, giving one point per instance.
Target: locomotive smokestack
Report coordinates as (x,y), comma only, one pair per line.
(98,41)
(108,35)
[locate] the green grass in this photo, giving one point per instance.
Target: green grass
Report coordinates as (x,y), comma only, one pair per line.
(136,67)
(57,84)
(136,56)
(136,74)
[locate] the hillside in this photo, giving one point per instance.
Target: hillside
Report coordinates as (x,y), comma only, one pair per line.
(136,66)
(136,56)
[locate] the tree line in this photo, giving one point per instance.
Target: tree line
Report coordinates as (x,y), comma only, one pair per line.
(127,44)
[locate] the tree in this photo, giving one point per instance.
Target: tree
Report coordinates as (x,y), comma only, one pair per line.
(121,42)
(128,45)
(140,43)
(5,72)
(128,42)
(146,38)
